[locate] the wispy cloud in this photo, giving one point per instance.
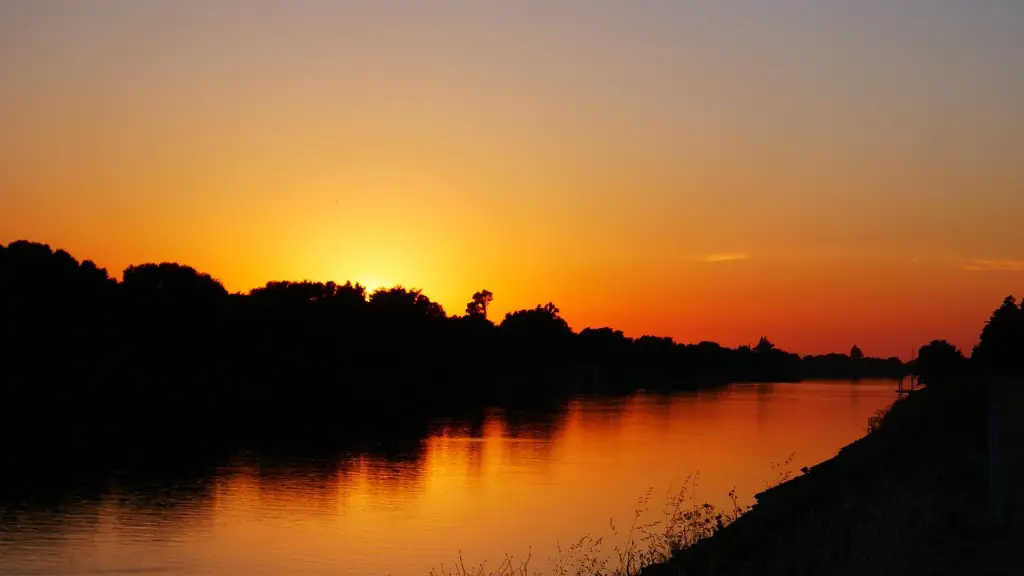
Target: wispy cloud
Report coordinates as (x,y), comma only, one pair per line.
(726,257)
(994,265)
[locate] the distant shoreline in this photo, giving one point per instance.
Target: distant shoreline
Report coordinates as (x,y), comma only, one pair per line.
(168,359)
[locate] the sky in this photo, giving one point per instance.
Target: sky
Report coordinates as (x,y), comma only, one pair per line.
(822,173)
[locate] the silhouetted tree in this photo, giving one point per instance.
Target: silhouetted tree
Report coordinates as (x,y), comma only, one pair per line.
(400,303)
(605,340)
(291,294)
(57,321)
(856,362)
(478,305)
(173,281)
(653,355)
(32,271)
(598,345)
(843,366)
(1000,349)
(543,321)
(939,362)
(536,339)
(769,363)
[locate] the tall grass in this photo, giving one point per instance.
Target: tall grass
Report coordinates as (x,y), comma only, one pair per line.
(508,567)
(876,419)
(684,520)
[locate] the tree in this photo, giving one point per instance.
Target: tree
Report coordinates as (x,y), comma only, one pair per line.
(33,271)
(305,292)
(399,303)
(603,344)
(855,354)
(171,280)
(938,362)
(1000,349)
(764,346)
(478,306)
(541,322)
(349,294)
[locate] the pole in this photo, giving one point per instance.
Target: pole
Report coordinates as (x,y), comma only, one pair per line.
(913,358)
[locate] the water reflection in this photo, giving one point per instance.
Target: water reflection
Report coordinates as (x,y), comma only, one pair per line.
(489,483)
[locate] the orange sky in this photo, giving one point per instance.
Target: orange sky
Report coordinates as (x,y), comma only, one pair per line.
(821,175)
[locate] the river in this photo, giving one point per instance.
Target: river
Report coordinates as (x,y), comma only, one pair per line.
(504,483)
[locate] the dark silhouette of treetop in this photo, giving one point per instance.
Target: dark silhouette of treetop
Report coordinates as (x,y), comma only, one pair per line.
(477,307)
(1000,349)
(939,362)
(171,280)
(399,302)
(764,346)
(540,321)
(294,293)
(34,271)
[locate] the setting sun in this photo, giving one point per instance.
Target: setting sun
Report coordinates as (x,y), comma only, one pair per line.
(372,284)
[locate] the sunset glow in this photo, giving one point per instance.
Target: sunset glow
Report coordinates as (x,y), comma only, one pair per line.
(822,175)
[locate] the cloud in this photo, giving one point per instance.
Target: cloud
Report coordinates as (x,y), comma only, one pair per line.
(994,265)
(726,257)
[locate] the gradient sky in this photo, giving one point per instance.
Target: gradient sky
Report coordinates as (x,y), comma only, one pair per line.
(823,173)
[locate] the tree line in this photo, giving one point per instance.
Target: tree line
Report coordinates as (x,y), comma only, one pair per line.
(999,352)
(169,348)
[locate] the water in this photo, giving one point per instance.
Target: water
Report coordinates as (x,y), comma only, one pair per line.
(509,483)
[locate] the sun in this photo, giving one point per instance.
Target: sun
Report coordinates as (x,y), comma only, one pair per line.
(372,283)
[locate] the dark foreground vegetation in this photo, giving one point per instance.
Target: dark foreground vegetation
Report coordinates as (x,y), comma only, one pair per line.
(902,500)
(167,354)
(912,497)
(915,496)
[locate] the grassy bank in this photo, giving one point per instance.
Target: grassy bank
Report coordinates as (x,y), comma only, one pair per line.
(907,498)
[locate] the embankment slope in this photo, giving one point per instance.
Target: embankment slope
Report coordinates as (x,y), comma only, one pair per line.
(909,498)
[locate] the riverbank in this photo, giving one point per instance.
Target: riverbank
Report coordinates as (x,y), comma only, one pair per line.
(909,497)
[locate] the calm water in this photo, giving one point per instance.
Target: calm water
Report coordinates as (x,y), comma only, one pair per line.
(508,483)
